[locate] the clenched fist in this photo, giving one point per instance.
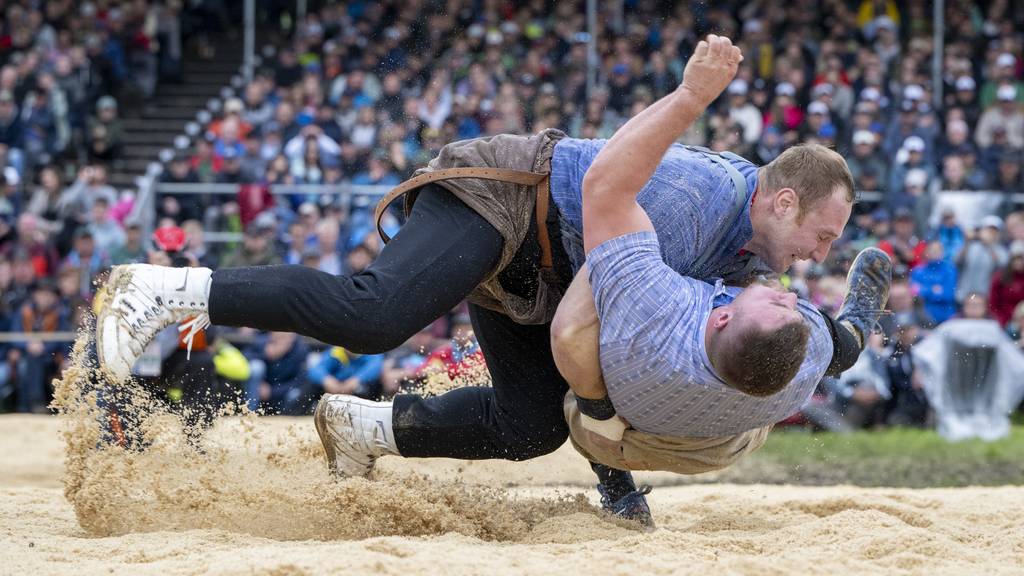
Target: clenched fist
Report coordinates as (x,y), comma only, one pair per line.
(711,68)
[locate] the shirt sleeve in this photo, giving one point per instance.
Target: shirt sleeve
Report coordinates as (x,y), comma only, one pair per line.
(634,290)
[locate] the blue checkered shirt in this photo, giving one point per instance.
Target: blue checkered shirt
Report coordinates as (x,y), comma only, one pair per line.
(688,199)
(653,357)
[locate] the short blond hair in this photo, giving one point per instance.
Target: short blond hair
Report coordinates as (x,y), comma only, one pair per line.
(812,170)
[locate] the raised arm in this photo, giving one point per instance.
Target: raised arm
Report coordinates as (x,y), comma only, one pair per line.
(628,160)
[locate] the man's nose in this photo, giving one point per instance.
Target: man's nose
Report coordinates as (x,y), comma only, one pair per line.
(821,252)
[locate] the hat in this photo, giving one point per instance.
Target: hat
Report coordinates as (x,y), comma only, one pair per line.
(827,131)
(822,89)
(903,213)
(230,153)
(914,144)
(233,105)
(908,106)
(863,137)
(871,94)
(47,284)
(6,96)
(817,107)
(307,208)
(737,87)
(1007,93)
(863,108)
(885,23)
(965,84)
(1016,249)
(916,177)
(753,25)
(785,89)
(1006,60)
(992,222)
(82,232)
(880,214)
(169,238)
(106,103)
(913,92)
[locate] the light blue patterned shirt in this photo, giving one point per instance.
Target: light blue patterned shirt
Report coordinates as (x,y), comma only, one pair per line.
(653,357)
(688,199)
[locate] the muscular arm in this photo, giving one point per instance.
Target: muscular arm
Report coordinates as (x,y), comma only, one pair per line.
(628,160)
(575,340)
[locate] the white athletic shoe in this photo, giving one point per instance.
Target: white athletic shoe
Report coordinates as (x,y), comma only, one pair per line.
(138,301)
(354,432)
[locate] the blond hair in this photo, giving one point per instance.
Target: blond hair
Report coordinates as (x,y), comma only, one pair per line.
(811,170)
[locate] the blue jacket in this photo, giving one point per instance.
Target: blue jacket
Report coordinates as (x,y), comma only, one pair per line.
(936,284)
(343,365)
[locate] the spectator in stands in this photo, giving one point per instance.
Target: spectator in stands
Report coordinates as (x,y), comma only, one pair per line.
(867,159)
(401,365)
(914,150)
(903,245)
(277,363)
(327,248)
(180,207)
(1005,114)
(44,201)
(132,250)
(1007,290)
(862,392)
(12,134)
(1008,177)
(256,249)
(36,360)
(91,183)
(342,372)
(980,257)
(950,234)
(909,404)
(87,257)
(935,281)
(105,135)
(106,232)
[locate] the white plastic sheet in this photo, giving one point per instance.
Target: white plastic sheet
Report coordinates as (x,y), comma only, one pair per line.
(973,376)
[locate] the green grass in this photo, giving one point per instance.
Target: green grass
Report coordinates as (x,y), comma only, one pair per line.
(894,457)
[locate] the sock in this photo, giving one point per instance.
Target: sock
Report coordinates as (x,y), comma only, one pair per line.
(616,482)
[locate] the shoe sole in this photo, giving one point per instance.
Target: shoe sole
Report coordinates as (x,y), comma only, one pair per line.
(104,296)
(320,421)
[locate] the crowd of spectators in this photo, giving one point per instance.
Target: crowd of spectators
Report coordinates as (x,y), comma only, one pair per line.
(363,93)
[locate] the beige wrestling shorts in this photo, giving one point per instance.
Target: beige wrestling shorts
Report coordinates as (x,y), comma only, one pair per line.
(641,451)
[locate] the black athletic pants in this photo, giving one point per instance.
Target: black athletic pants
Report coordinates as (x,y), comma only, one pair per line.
(442,253)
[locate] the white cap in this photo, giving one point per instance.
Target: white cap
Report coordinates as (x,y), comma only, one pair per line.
(785,89)
(871,94)
(916,177)
(1006,60)
(817,107)
(753,25)
(914,144)
(1007,93)
(737,86)
(823,88)
(913,92)
(885,22)
(965,83)
(863,137)
(992,222)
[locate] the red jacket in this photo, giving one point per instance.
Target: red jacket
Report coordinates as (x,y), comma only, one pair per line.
(1004,296)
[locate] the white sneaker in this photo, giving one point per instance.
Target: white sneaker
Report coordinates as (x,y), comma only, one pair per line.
(354,432)
(138,301)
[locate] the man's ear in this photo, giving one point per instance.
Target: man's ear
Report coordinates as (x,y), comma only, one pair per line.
(786,202)
(722,318)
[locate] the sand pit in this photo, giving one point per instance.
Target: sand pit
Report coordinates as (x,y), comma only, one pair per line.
(710,529)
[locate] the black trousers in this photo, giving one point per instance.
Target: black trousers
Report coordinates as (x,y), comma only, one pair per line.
(444,250)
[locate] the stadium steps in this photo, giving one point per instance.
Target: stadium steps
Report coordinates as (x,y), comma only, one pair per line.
(175,105)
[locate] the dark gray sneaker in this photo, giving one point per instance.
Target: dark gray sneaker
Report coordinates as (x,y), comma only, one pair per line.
(867,285)
(620,496)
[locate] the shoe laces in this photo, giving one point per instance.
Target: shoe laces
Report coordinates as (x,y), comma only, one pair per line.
(192,327)
(606,500)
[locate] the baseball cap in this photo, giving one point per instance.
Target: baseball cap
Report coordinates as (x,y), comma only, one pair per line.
(1006,60)
(822,89)
(106,103)
(863,137)
(871,94)
(916,177)
(1017,249)
(169,238)
(914,144)
(817,107)
(913,92)
(965,84)
(903,213)
(737,86)
(785,89)
(1007,93)
(234,105)
(880,214)
(992,222)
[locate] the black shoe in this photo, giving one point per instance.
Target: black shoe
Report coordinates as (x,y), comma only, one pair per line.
(867,285)
(620,496)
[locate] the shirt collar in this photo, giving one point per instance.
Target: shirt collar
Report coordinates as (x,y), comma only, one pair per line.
(719,297)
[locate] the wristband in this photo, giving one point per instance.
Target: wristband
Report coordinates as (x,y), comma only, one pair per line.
(599,409)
